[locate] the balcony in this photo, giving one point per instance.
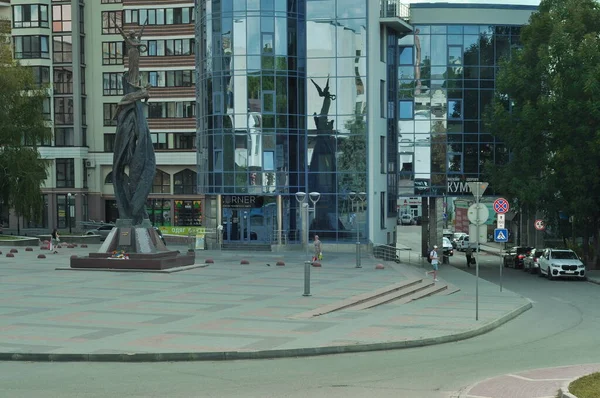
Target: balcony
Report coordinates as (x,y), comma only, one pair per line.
(395,15)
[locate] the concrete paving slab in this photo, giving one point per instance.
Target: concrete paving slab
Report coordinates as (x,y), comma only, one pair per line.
(228,310)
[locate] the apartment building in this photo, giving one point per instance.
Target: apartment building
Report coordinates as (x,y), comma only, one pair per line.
(77,49)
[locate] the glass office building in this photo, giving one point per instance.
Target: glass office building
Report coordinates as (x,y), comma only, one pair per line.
(340,96)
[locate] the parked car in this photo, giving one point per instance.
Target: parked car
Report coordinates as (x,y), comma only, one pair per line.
(515,256)
(103,231)
(458,236)
(417,220)
(556,263)
(406,219)
(447,245)
(531,261)
(465,242)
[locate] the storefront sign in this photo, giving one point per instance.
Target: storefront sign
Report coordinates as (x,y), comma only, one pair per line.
(241,201)
(184,231)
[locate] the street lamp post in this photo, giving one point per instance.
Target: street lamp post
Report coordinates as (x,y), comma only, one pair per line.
(357,198)
(69,196)
(301,198)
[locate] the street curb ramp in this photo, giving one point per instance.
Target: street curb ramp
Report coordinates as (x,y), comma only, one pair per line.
(266,354)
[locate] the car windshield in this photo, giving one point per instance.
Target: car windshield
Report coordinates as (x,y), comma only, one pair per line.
(564,255)
(538,253)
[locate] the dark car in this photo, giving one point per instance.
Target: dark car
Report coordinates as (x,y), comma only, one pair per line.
(515,256)
(160,235)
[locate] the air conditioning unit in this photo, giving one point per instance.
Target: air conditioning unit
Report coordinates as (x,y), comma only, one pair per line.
(90,164)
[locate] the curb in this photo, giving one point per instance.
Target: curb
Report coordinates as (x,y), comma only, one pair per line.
(266,354)
(563,392)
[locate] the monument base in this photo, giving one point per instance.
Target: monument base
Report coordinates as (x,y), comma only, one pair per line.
(134,247)
(153,261)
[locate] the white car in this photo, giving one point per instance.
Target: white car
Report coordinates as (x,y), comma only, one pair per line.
(406,219)
(555,263)
(465,242)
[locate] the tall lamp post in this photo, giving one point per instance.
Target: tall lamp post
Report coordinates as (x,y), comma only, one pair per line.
(301,198)
(357,198)
(69,209)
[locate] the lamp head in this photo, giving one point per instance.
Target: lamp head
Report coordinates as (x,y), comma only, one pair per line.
(362,196)
(300,196)
(352,195)
(314,197)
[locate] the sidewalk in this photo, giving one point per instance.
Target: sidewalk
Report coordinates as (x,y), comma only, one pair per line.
(537,383)
(227,310)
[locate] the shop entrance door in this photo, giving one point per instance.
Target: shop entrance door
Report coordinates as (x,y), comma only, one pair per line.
(236,225)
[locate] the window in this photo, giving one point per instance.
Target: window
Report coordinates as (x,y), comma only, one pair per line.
(382,104)
(170,47)
(161,16)
(61,18)
(41,75)
(406,56)
(382,202)
(112,53)
(188,212)
(65,173)
(64,136)
(185,141)
(28,47)
(184,182)
(172,78)
(110,21)
(62,50)
(159,140)
(63,80)
(382,168)
(30,16)
(110,1)
(112,83)
(405,109)
(110,114)
(109,142)
(63,110)
(162,182)
(455,109)
(109,178)
(179,109)
(159,211)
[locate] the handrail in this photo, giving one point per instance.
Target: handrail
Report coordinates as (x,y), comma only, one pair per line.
(394,9)
(399,255)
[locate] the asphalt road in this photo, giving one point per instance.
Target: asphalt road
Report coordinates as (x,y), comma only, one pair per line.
(561,329)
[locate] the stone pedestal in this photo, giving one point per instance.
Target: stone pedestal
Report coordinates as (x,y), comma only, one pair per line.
(141,244)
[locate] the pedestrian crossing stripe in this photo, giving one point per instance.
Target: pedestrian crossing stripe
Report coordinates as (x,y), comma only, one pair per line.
(500,236)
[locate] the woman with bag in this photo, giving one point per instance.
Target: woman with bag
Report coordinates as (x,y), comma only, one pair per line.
(54,241)
(318,249)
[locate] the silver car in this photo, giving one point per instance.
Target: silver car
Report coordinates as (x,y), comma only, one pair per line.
(103,231)
(531,262)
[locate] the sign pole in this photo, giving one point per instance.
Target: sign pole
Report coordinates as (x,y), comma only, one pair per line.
(477,189)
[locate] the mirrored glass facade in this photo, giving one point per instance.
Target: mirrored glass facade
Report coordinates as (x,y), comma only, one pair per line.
(282,108)
(445,76)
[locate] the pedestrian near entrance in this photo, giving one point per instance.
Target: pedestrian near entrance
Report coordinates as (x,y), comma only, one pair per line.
(433,255)
(54,240)
(318,249)
(469,255)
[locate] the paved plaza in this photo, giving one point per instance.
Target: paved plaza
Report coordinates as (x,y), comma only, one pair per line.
(228,310)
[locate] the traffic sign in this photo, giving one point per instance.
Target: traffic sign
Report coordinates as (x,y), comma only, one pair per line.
(501,205)
(477,188)
(501,235)
(500,221)
(478,213)
(539,225)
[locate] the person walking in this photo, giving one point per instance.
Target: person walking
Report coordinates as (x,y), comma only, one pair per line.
(318,249)
(54,240)
(433,255)
(469,255)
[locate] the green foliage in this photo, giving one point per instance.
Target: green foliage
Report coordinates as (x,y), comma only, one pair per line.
(352,158)
(546,111)
(22,126)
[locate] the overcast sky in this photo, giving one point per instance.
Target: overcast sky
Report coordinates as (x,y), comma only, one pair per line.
(518,2)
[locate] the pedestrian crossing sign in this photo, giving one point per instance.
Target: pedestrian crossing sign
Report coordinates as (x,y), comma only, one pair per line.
(501,235)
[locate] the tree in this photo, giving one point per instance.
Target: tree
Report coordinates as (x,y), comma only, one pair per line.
(352,154)
(22,128)
(547,113)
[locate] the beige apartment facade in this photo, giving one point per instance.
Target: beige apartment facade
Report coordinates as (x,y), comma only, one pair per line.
(76,48)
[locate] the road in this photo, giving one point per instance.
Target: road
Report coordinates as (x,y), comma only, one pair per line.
(561,329)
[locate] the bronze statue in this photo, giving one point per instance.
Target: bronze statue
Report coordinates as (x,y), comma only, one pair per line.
(133,150)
